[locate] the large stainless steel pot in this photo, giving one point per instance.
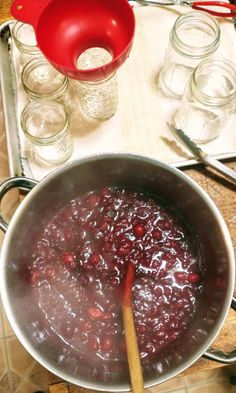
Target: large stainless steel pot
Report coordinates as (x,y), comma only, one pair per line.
(44,200)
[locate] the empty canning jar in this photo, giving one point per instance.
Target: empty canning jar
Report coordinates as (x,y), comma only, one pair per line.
(194,37)
(24,38)
(45,125)
(43,82)
(209,100)
(98,99)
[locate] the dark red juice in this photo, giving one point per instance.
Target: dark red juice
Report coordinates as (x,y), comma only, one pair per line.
(80,260)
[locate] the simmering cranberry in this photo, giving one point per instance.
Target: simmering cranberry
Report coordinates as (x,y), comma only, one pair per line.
(95,312)
(93,200)
(106,344)
(69,259)
(180,276)
(157,234)
(81,258)
(94,258)
(194,278)
(139,230)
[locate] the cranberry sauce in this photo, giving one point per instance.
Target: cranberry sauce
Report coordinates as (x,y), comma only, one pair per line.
(80,260)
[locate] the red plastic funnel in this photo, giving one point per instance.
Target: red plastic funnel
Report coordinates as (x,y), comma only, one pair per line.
(65,29)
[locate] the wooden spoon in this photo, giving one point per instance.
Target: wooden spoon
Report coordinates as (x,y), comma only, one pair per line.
(135,369)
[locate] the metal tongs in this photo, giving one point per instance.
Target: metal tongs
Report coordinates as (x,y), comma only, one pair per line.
(201,156)
(197,5)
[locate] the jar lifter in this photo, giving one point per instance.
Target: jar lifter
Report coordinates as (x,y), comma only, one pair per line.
(198,5)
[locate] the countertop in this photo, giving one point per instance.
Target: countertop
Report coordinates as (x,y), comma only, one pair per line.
(221,192)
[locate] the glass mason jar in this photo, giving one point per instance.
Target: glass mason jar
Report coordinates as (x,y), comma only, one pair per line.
(209,100)
(42,81)
(24,38)
(98,99)
(194,37)
(45,124)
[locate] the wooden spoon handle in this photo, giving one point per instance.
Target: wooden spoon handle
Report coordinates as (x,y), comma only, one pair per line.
(135,369)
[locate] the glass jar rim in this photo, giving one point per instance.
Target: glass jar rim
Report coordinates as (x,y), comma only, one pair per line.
(189,50)
(34,64)
(28,111)
(219,64)
(24,47)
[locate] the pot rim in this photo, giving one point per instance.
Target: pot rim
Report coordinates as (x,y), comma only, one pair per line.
(230,290)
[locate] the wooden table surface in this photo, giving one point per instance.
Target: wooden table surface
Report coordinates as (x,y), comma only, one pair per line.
(224,196)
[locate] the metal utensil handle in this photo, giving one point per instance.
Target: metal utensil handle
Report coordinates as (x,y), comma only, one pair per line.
(14,182)
(219,356)
(156,2)
(221,168)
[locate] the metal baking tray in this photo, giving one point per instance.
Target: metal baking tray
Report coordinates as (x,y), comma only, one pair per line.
(9,101)
(18,165)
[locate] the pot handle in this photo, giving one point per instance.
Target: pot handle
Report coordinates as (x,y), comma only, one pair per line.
(219,356)
(15,182)
(28,11)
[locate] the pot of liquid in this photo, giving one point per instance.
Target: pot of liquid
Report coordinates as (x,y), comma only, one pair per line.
(66,252)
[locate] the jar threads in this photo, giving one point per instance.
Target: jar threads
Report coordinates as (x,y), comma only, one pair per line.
(42,81)
(24,38)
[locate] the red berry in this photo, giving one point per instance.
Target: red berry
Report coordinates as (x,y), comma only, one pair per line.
(193,278)
(69,259)
(95,312)
(139,230)
(94,258)
(157,234)
(106,344)
(180,276)
(93,200)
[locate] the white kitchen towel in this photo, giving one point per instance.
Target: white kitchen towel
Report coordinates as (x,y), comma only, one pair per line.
(140,123)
